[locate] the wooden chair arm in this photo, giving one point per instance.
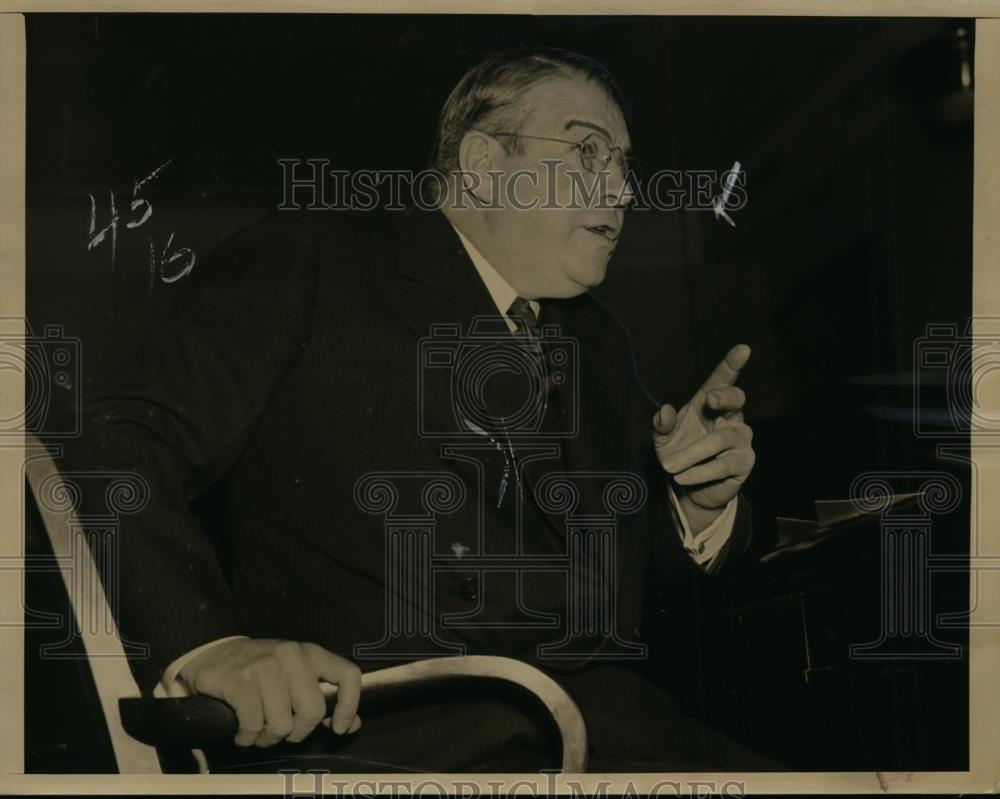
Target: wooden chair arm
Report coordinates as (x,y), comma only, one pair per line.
(201,720)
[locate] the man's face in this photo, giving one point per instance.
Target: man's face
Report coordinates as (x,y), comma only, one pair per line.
(561,250)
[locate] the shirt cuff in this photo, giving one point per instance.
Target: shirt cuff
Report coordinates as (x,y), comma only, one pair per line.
(169,684)
(704,546)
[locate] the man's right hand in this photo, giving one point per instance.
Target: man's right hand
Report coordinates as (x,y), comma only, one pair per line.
(273,686)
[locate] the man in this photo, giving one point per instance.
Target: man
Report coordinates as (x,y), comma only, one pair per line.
(295,370)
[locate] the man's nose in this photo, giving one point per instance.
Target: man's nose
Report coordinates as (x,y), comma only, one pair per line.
(615,182)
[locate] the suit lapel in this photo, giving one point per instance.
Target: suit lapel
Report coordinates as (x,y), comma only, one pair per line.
(435,286)
(603,443)
(433,282)
(600,387)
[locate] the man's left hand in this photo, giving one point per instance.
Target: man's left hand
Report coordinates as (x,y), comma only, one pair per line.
(707,445)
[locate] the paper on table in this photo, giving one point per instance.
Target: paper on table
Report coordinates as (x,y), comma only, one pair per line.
(790,529)
(798,534)
(833,511)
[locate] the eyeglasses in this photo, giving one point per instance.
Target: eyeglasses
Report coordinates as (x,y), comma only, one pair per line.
(595,152)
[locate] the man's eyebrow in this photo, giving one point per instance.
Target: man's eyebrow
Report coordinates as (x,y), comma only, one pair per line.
(593,126)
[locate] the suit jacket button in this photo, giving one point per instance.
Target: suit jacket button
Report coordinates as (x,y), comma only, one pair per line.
(469,588)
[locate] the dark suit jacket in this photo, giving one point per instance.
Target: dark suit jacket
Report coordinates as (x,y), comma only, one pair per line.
(291,369)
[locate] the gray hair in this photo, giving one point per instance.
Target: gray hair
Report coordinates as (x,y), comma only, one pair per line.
(488,97)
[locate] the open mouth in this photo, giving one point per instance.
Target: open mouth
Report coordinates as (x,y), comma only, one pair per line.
(606,231)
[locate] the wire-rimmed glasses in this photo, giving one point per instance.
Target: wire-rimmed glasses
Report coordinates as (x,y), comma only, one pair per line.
(594,150)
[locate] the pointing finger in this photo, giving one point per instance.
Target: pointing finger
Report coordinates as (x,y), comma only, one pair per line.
(726,372)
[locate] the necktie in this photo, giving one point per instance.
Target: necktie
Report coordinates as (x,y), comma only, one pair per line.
(523,316)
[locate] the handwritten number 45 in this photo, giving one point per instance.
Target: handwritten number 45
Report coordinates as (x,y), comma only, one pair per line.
(166,259)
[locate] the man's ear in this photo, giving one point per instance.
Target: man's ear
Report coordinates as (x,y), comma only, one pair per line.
(476,155)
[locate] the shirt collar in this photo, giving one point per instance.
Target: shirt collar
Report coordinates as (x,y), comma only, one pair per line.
(500,290)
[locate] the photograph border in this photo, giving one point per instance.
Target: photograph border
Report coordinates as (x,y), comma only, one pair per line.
(984,654)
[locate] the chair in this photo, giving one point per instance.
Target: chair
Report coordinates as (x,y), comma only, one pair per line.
(141,729)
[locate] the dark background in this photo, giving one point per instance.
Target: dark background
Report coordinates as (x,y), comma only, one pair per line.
(856,138)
